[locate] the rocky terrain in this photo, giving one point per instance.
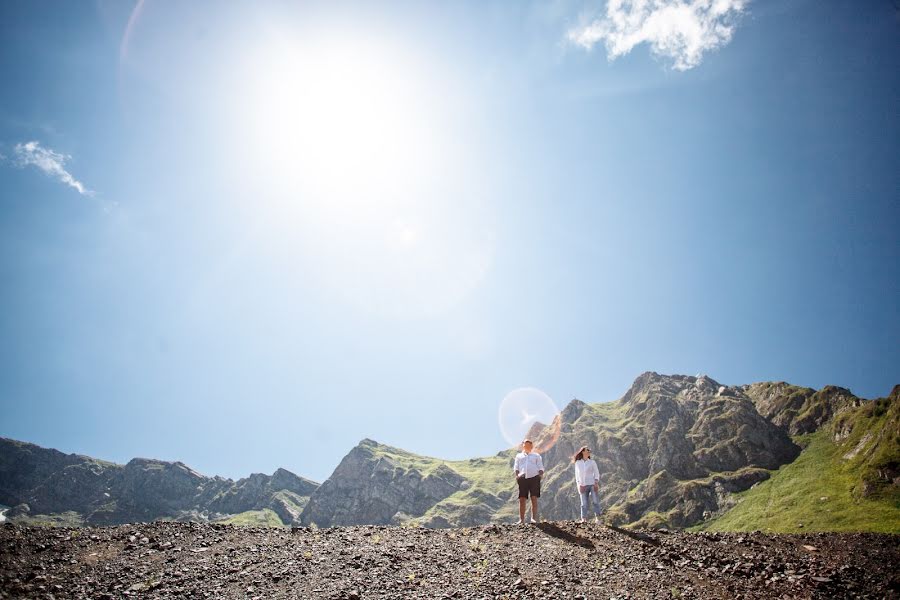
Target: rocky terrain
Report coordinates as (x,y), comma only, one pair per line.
(45,485)
(549,560)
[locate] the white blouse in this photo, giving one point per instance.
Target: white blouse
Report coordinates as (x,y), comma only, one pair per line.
(586,472)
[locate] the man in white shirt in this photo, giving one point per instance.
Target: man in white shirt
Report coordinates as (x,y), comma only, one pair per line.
(529,468)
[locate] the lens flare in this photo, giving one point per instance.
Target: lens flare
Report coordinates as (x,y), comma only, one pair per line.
(529,412)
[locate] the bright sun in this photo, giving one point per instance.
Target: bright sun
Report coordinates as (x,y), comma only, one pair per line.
(349,162)
(344,122)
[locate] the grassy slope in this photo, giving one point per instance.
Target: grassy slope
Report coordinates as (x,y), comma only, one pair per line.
(255,518)
(795,492)
(297,501)
(489,475)
(493,475)
(65,519)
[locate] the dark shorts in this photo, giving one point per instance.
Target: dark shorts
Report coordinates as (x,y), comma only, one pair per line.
(532,486)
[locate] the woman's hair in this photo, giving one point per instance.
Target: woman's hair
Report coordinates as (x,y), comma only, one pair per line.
(580,454)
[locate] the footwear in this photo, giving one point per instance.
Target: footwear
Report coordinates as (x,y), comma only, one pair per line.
(533,521)
(581,521)
(521,521)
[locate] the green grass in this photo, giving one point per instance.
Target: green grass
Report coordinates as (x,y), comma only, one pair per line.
(64,519)
(652,520)
(294,500)
(491,474)
(608,416)
(875,439)
(794,495)
(254,518)
(405,460)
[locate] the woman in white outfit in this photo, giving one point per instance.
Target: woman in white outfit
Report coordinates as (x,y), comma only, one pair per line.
(587,478)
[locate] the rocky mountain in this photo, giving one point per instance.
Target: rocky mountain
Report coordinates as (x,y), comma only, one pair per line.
(674,451)
(847,477)
(378,484)
(799,410)
(71,488)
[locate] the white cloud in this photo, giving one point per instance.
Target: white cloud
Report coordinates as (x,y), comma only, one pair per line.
(680,30)
(50,162)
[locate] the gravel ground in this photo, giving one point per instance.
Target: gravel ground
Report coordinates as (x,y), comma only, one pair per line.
(550,560)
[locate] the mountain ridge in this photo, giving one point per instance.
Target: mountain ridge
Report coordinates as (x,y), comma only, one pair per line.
(685,448)
(674,451)
(45,481)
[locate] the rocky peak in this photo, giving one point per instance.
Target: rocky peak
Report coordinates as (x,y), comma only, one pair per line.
(683,387)
(378,484)
(282,479)
(151,464)
(642,383)
(535,431)
(573,410)
(798,410)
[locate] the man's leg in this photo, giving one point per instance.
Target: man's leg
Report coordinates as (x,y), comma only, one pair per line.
(534,510)
(522,508)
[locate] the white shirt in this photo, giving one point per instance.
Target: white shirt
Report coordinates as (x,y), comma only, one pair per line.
(586,472)
(528,464)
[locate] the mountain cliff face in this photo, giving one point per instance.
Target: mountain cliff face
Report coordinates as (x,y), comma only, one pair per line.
(40,481)
(800,410)
(846,479)
(380,485)
(372,486)
(671,450)
(869,442)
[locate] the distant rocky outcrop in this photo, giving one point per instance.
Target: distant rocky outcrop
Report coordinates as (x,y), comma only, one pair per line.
(800,410)
(869,438)
(373,484)
(99,492)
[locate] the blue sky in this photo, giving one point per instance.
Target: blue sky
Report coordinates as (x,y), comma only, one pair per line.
(249,236)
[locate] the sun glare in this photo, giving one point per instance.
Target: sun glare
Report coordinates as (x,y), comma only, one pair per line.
(345,122)
(348,166)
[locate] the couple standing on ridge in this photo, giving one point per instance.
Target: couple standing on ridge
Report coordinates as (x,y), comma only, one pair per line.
(529,468)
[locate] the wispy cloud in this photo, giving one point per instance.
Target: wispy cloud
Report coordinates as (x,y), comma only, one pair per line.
(679,30)
(49,161)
